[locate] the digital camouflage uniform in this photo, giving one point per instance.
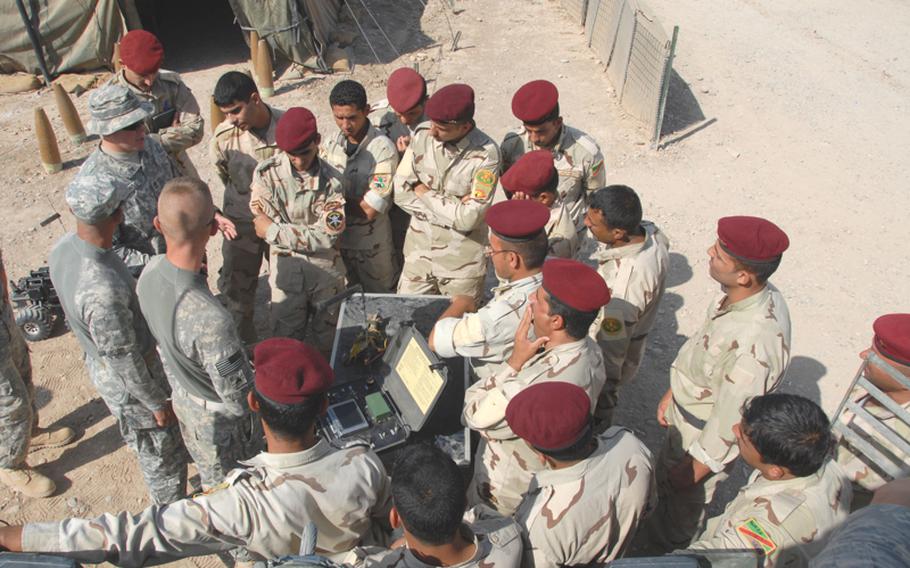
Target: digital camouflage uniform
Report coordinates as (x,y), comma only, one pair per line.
(18,412)
(206,365)
(97,293)
(741,350)
(144,173)
(504,464)
(366,246)
(443,250)
(487,335)
(861,469)
(307,210)
(170,92)
(588,512)
(235,153)
(636,275)
(263,507)
(497,540)
(787,520)
(578,162)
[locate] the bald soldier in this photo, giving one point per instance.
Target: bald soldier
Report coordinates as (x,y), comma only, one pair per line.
(741,350)
(264,506)
(204,359)
(446,181)
(578,158)
(795,496)
(517,250)
(175,121)
(561,312)
(593,490)
(633,258)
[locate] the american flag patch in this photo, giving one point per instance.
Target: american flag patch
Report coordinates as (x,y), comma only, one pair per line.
(230,365)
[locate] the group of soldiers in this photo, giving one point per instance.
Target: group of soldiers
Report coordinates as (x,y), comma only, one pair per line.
(410,196)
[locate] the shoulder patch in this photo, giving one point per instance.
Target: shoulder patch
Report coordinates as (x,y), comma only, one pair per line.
(230,365)
(484,181)
(753,532)
(381,184)
(611,326)
(595,169)
(334,220)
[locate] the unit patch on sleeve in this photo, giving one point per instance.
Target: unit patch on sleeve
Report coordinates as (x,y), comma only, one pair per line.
(757,535)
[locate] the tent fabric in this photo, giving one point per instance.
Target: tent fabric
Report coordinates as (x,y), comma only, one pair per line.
(76,35)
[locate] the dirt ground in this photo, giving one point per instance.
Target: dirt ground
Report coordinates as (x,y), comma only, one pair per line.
(802,107)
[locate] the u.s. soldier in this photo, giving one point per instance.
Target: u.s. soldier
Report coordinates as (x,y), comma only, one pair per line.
(446,181)
(562,309)
(366,159)
(175,121)
(246,137)
(264,506)
(298,209)
(203,356)
(97,293)
(578,158)
(741,350)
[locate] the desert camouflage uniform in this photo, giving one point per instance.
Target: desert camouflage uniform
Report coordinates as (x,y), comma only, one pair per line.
(170,92)
(487,335)
(578,161)
(787,520)
(636,275)
(206,365)
(18,412)
(235,153)
(443,250)
(366,246)
(145,173)
(306,267)
(504,464)
(588,513)
(497,540)
(97,293)
(741,350)
(263,507)
(859,468)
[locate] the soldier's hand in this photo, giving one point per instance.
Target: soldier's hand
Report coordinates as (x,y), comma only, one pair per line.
(165,416)
(421,189)
(662,408)
(226,226)
(11,538)
(261,223)
(519,195)
(463,303)
(402,143)
(525,348)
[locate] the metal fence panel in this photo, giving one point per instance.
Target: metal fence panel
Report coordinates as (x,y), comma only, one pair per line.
(644,73)
(622,46)
(577,9)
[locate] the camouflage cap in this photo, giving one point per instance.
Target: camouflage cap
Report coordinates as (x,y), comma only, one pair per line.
(94,202)
(113,108)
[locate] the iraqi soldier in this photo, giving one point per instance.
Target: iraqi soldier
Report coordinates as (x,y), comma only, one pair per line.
(204,359)
(741,350)
(517,250)
(367,160)
(533,176)
(891,344)
(795,496)
(264,506)
(578,158)
(98,296)
(175,121)
(19,431)
(562,309)
(298,209)
(586,503)
(428,505)
(446,181)
(633,258)
(246,136)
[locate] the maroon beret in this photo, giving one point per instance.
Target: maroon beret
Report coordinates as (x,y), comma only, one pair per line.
(551,415)
(405,89)
(296,127)
(451,103)
(575,284)
(531,174)
(288,371)
(141,52)
(752,238)
(534,101)
(517,219)
(892,337)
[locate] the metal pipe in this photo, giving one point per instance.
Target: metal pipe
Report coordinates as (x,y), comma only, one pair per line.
(36,41)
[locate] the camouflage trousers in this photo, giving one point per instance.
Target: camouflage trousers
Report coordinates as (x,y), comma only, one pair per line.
(18,413)
(374,269)
(617,376)
(410,283)
(238,277)
(503,470)
(162,457)
(216,441)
